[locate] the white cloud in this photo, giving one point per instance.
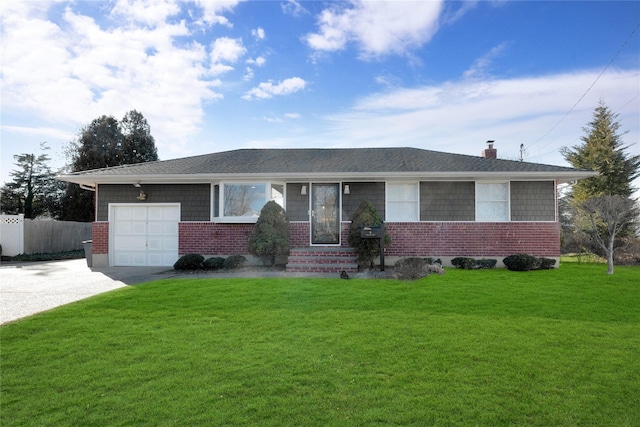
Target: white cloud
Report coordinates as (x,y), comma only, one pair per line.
(377,27)
(293,8)
(225,49)
(459,116)
(258,33)
(259,61)
(69,73)
(40,132)
(269,90)
(249,72)
(211,11)
(248,75)
(481,66)
(148,12)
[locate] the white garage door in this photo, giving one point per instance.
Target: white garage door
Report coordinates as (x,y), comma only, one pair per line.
(144,235)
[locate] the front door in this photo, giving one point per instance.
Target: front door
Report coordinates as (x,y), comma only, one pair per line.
(325,214)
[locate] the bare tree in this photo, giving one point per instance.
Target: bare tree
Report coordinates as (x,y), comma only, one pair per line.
(605,217)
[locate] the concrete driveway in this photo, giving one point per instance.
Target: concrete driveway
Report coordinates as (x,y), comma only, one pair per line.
(32,287)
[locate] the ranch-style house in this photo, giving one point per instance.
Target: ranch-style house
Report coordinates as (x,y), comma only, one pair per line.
(433,204)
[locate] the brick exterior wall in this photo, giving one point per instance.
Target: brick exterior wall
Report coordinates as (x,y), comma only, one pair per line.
(490,239)
(208,238)
(299,234)
(422,239)
(100,237)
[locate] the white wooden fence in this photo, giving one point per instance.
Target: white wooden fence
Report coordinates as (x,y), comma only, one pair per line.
(25,236)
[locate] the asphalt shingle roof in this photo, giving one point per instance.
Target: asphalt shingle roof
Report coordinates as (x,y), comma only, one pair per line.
(334,160)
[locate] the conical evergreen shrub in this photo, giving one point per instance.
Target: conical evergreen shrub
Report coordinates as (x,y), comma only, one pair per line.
(271,234)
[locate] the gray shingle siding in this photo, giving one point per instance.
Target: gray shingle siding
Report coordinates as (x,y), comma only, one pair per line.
(447,201)
(194,199)
(533,201)
(297,204)
(360,191)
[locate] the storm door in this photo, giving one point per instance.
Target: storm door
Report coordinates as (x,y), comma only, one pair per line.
(325,214)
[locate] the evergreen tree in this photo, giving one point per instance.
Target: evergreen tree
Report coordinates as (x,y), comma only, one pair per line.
(105,142)
(271,234)
(603,151)
(34,190)
(368,249)
(138,144)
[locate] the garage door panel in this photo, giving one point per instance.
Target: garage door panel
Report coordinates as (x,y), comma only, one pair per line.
(163,213)
(145,235)
(130,243)
(162,244)
(129,258)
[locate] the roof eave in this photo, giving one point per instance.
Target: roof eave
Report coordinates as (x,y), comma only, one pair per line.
(93,180)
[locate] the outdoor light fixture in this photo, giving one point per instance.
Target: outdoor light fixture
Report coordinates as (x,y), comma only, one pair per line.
(136,184)
(303,190)
(142,197)
(346,189)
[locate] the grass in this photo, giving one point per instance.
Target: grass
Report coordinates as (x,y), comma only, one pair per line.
(555,347)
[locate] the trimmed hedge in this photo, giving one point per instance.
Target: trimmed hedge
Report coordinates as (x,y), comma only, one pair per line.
(189,262)
(471,263)
(526,262)
(234,261)
(215,263)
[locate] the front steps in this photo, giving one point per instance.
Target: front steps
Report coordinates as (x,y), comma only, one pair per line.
(322,260)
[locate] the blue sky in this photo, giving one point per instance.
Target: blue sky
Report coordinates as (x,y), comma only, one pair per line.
(215,76)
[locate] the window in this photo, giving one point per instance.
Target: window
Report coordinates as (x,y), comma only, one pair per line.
(492,201)
(244,200)
(403,202)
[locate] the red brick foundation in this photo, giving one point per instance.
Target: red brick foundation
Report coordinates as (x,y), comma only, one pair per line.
(490,239)
(441,239)
(208,238)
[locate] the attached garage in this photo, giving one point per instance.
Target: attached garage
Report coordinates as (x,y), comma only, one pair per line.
(144,235)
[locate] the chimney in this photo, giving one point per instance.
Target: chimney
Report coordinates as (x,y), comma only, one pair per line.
(490,153)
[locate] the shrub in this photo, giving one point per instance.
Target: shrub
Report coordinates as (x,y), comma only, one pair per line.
(412,268)
(431,260)
(215,263)
(189,262)
(521,262)
(234,261)
(464,262)
(271,234)
(486,263)
(547,263)
(368,249)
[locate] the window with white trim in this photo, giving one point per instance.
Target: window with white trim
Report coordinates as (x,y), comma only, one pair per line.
(403,202)
(492,201)
(245,200)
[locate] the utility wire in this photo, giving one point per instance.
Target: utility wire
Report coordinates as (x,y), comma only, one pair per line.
(589,88)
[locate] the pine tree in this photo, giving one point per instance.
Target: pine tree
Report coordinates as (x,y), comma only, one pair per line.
(603,151)
(34,190)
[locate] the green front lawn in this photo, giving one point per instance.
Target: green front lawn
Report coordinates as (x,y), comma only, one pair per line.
(494,347)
